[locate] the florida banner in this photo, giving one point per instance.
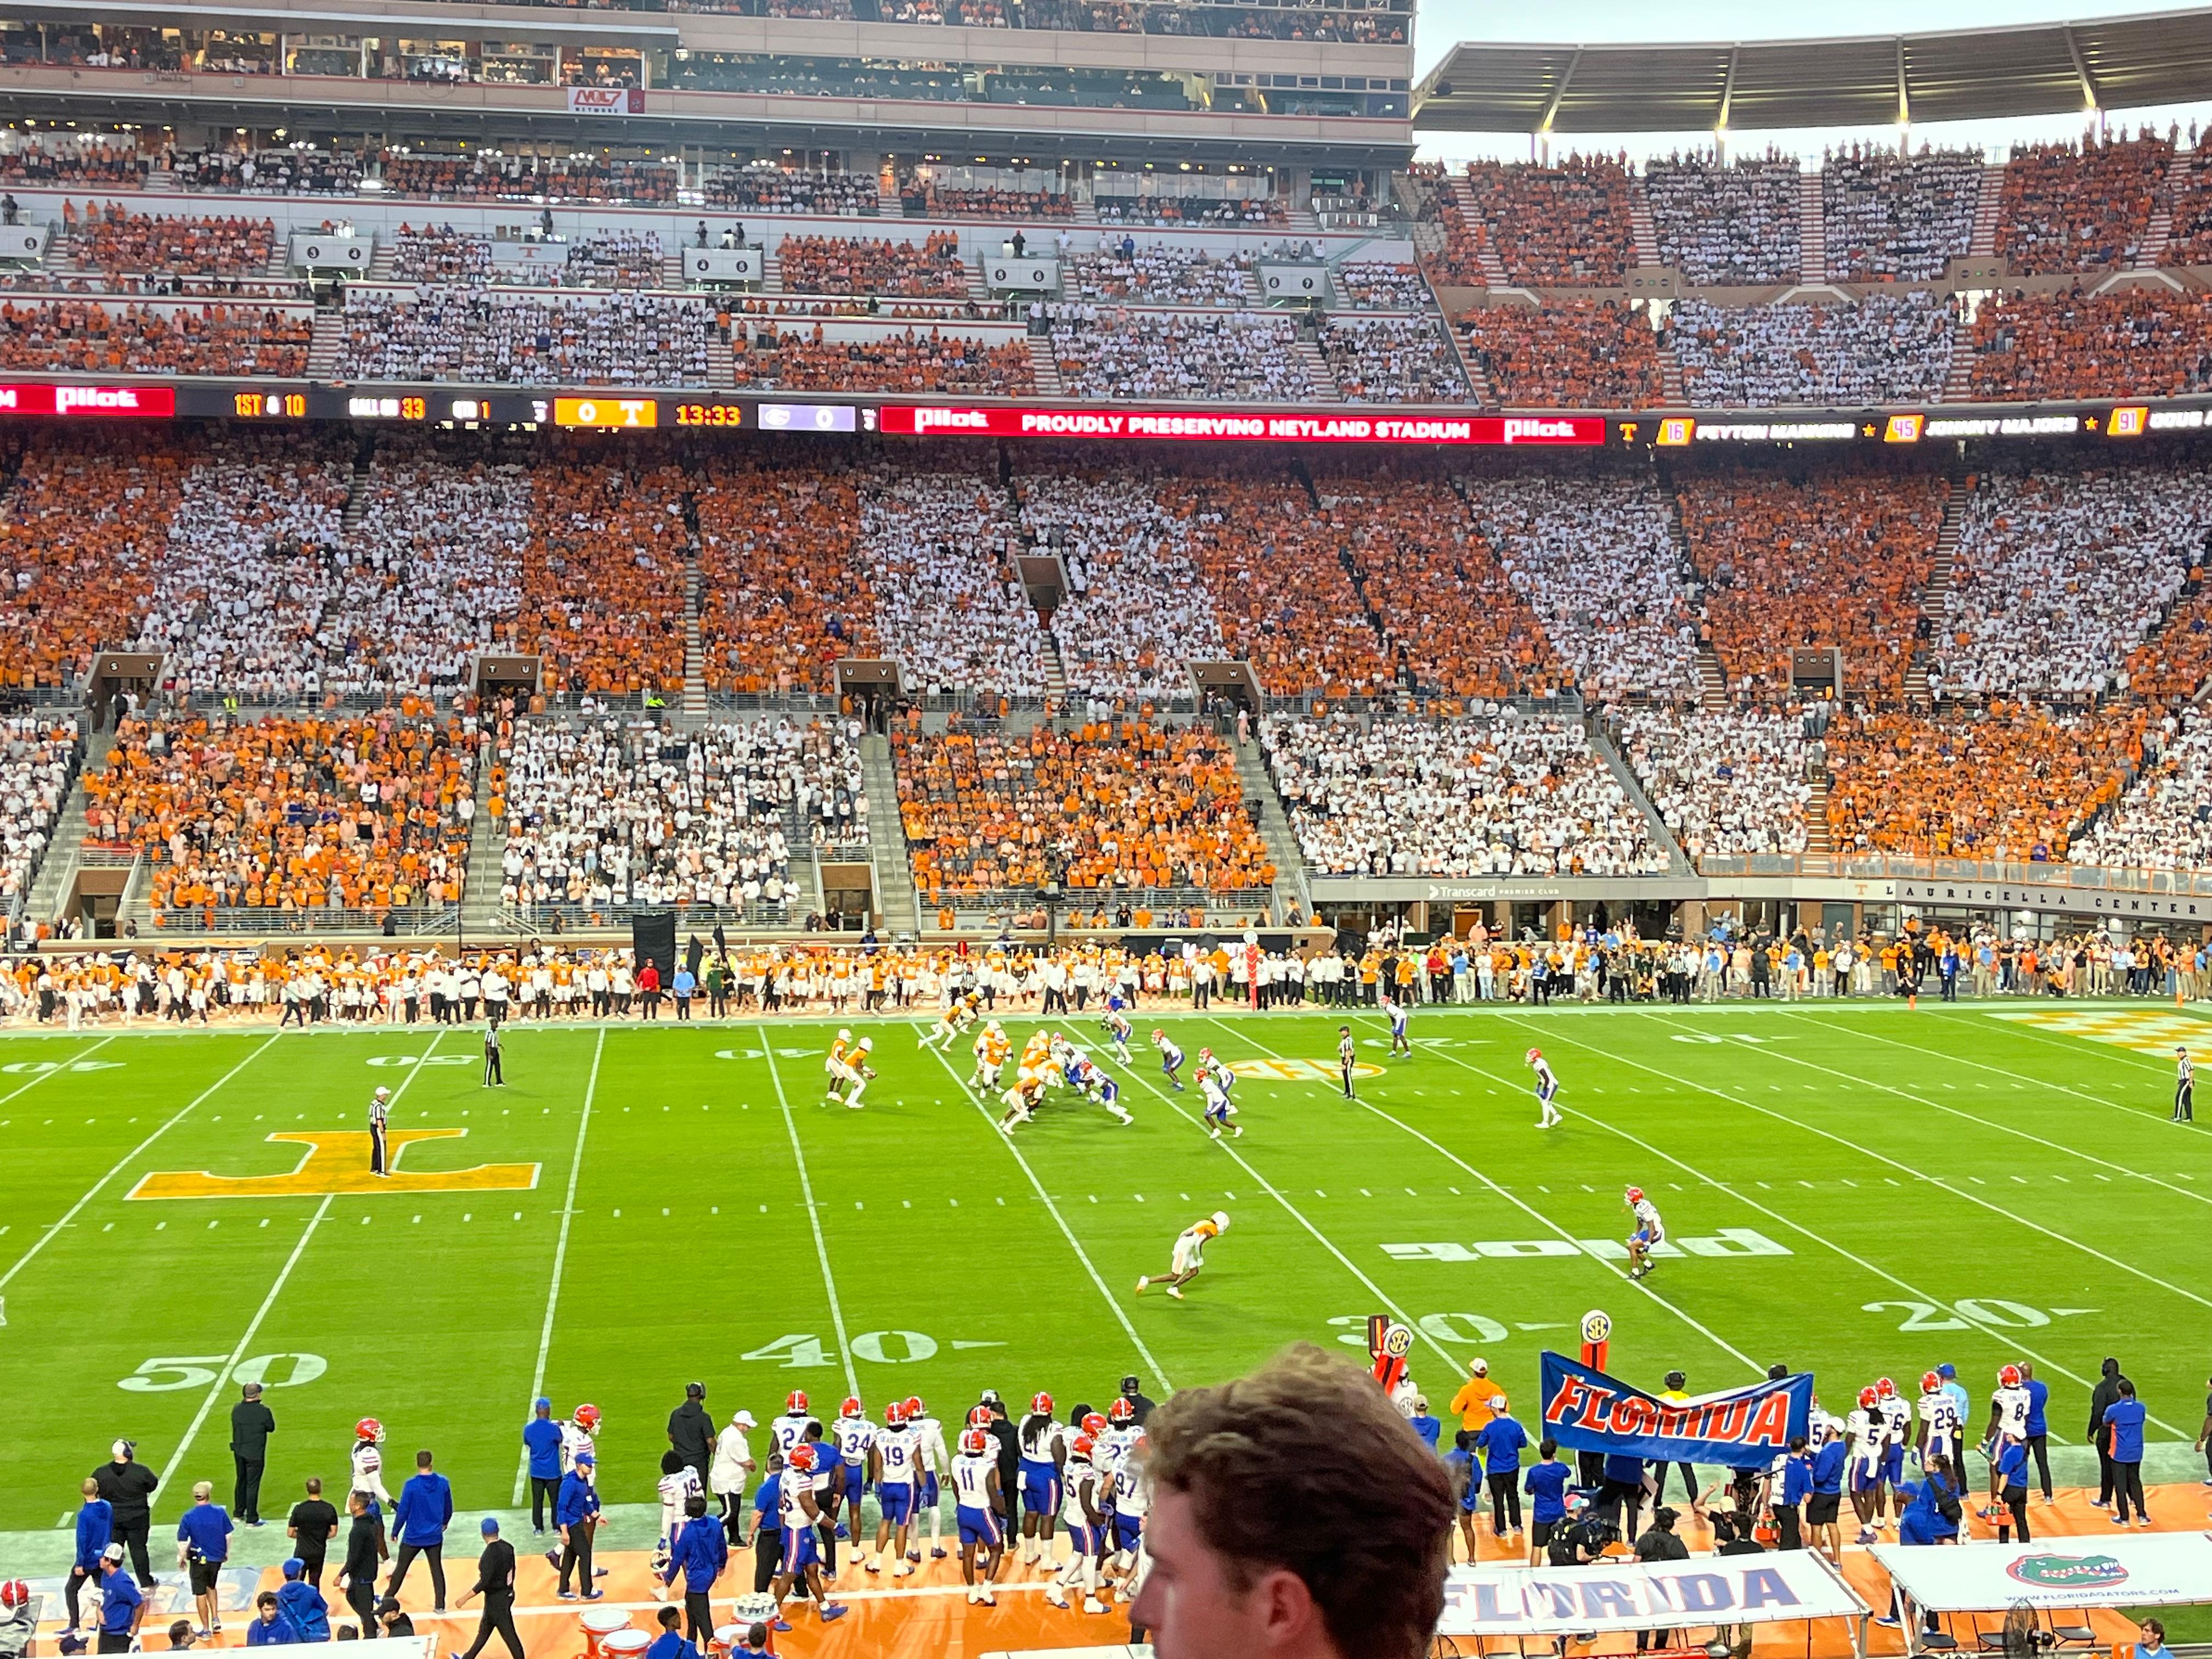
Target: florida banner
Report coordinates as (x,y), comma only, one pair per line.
(1585,1410)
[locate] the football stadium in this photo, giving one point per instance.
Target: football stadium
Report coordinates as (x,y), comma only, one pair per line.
(1149,828)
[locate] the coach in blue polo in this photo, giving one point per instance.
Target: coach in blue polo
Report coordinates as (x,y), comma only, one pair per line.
(419,1519)
(121,1605)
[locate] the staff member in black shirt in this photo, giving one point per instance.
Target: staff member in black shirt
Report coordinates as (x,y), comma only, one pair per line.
(1132,1391)
(252,1423)
(129,1487)
(496,1583)
(313,1524)
(691,1431)
(365,1551)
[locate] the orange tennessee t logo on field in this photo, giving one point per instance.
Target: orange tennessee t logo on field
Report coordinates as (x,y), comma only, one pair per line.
(337,1162)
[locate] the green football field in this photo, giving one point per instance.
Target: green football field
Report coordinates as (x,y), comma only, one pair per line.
(1855,1189)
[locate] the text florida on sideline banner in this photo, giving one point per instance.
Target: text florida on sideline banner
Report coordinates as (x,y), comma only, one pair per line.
(1585,1410)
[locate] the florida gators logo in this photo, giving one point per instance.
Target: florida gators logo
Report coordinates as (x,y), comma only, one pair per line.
(2067,1571)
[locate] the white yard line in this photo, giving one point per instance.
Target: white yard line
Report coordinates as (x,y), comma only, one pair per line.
(1120,1314)
(1940,1184)
(238,1353)
(58,1065)
(1546,1222)
(560,1259)
(124,1162)
(813,1216)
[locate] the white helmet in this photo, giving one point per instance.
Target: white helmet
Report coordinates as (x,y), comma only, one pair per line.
(844,1034)
(867,1042)
(1221,1219)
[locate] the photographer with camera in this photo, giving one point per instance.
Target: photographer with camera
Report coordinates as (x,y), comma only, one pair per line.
(1659,1544)
(1579,1539)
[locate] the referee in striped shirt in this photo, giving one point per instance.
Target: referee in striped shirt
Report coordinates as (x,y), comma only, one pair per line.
(379,1109)
(2185,1087)
(1344,1056)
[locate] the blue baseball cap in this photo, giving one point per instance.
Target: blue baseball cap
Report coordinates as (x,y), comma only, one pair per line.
(586,1457)
(1947,1370)
(295,1568)
(541,1404)
(488,1526)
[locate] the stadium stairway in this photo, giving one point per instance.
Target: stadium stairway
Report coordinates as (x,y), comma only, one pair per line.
(1643,235)
(58,869)
(1935,595)
(1308,353)
(1812,229)
(480,883)
(721,363)
(771,272)
(898,904)
(1044,369)
(1670,379)
(1712,680)
(1958,379)
(672,269)
(379,261)
(1292,888)
(1493,268)
(1819,850)
(1485,393)
(2160,231)
(325,342)
(694,700)
(1055,671)
(1678,861)
(1982,243)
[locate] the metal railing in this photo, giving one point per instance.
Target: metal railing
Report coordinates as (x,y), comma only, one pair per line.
(415,920)
(1882,866)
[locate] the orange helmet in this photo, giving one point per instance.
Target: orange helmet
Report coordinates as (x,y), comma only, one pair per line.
(1930,1381)
(587,1417)
(979,1417)
(851,1407)
(1093,1424)
(802,1457)
(1084,1445)
(974,1442)
(2009,1376)
(1885,1388)
(795,1400)
(1041,1401)
(1123,1410)
(369,1429)
(1868,1398)
(895,1414)
(913,1407)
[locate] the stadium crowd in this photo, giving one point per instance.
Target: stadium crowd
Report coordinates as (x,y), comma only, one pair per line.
(1573,354)
(1728,783)
(38,762)
(1737,224)
(87,338)
(1105,806)
(2164,822)
(114,240)
(288,812)
(931,269)
(603,574)
(1887,347)
(2138,343)
(1563,226)
(791,359)
(1893,218)
(936,550)
(1117,354)
(599,817)
(780,596)
(502,337)
(1155,273)
(2084,206)
(1403,797)
(1393,359)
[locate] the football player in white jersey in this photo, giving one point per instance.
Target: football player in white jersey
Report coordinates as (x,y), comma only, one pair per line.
(979,1507)
(1548,1089)
(1170,1059)
(679,1484)
(1868,1431)
(1897,1417)
(367,1460)
(1650,1232)
(581,1433)
(892,1465)
(1941,1431)
(1117,1031)
(797,1516)
(1043,1451)
(933,1463)
(2009,1405)
(1214,1083)
(787,1431)
(1189,1255)
(1086,1520)
(1131,1501)
(852,1434)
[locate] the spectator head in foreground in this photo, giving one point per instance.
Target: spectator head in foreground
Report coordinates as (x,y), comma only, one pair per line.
(1294,1516)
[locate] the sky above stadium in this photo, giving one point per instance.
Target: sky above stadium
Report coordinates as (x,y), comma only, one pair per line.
(1442,23)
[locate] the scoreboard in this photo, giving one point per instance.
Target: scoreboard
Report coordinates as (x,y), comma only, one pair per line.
(919,421)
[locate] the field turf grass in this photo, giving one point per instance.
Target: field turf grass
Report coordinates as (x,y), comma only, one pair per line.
(1877,1192)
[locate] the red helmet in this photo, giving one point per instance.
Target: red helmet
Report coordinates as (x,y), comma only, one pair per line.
(795,1400)
(913,1407)
(802,1457)
(369,1429)
(2009,1376)
(1041,1401)
(895,1414)
(587,1417)
(1123,1410)
(1886,1389)
(1869,1399)
(1206,1054)
(1635,1194)
(14,1593)
(1533,1055)
(851,1407)
(979,1417)
(1084,1445)
(974,1442)
(1093,1424)
(1930,1381)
